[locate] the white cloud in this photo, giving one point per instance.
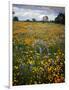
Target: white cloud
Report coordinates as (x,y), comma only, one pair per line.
(37,13)
(27,13)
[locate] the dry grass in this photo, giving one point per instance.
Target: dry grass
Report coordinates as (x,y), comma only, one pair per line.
(49,32)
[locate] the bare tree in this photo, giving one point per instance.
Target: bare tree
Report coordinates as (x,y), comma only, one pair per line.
(45,18)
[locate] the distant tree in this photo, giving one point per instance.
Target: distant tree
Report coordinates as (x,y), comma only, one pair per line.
(60,18)
(15,18)
(28,20)
(52,21)
(45,18)
(33,19)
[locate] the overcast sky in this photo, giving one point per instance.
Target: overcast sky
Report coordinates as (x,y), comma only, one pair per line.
(24,12)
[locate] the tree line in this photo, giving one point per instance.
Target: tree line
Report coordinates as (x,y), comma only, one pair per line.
(59,19)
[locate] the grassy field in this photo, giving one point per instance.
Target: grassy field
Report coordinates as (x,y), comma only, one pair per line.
(38,53)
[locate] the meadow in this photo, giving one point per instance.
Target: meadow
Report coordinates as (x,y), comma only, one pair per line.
(38,53)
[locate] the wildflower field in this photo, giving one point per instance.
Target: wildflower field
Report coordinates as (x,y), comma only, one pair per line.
(38,53)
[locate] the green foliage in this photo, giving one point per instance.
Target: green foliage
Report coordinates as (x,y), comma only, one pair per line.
(60,18)
(15,18)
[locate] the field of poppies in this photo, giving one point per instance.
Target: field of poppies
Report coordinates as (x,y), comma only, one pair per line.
(38,53)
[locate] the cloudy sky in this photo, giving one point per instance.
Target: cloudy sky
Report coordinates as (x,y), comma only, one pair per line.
(24,12)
